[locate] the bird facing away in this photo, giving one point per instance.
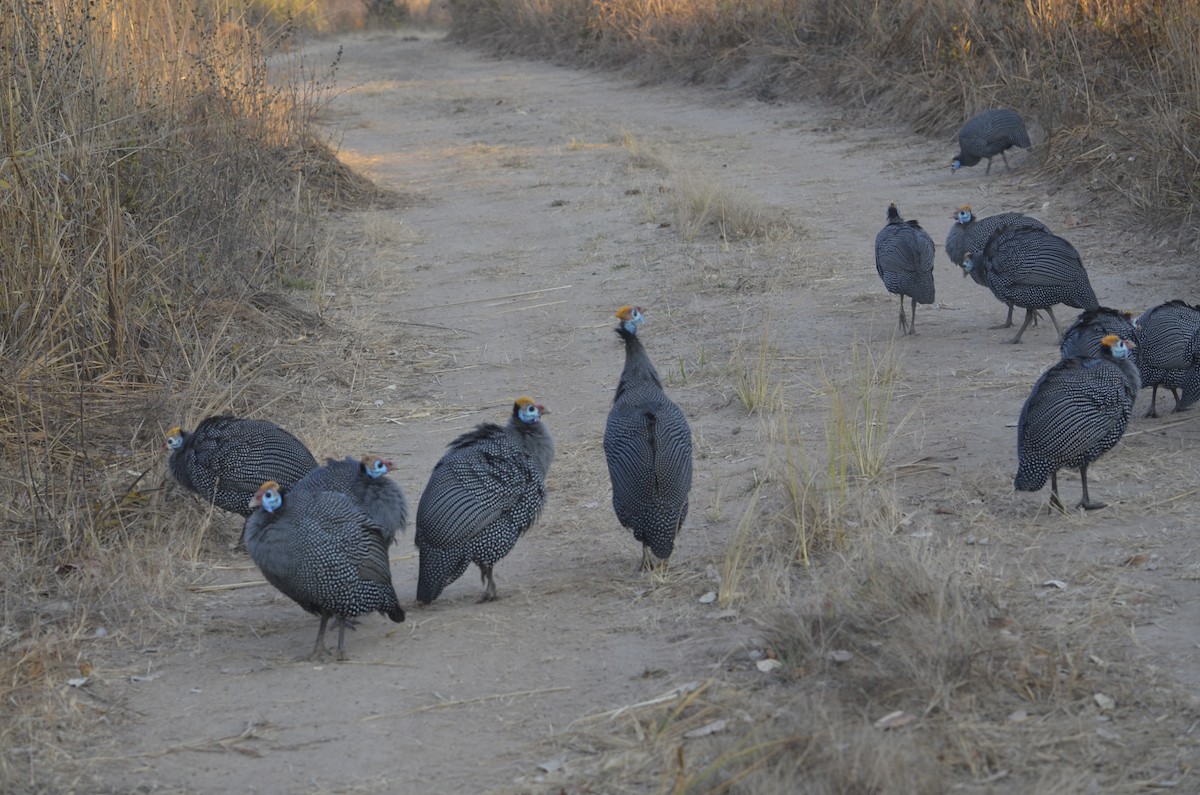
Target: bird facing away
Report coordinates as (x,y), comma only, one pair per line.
(483,494)
(1076,412)
(226,459)
(322,551)
(988,134)
(1168,339)
(365,481)
(969,233)
(648,447)
(1034,269)
(1084,336)
(904,260)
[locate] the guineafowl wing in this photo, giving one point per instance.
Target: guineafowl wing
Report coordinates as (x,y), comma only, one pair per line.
(648,448)
(472,487)
(1073,408)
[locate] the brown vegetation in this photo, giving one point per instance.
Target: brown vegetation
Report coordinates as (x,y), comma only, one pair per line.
(157,187)
(1113,86)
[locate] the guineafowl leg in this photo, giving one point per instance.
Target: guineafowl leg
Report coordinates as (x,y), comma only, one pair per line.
(1025,325)
(1086,503)
(485,575)
(1055,501)
(1053,319)
(913,328)
(1153,412)
(1008,322)
(903,319)
(988,170)
(319,647)
(1176,395)
(647,559)
(1004,157)
(341,649)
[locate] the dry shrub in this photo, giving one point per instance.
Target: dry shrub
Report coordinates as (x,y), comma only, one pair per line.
(1113,85)
(997,690)
(157,193)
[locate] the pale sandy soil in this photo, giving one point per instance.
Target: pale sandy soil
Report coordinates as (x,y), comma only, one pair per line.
(523,225)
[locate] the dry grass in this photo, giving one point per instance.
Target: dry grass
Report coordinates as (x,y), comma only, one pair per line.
(1113,87)
(158,190)
(995,692)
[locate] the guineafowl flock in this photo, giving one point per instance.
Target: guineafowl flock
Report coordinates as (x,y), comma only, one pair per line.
(1079,408)
(320,534)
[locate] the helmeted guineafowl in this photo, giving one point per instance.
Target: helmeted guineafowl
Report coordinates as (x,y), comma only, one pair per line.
(367,482)
(904,261)
(1168,338)
(322,550)
(1083,337)
(1032,268)
(648,447)
(485,492)
(988,134)
(969,233)
(1076,412)
(226,459)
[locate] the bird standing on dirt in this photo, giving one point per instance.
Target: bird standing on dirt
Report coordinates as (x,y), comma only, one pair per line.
(365,481)
(988,134)
(1168,338)
(648,447)
(1075,413)
(1032,268)
(969,233)
(324,552)
(226,459)
(904,260)
(483,494)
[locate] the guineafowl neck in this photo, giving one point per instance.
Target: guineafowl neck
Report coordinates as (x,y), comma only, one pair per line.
(1133,376)
(538,443)
(638,367)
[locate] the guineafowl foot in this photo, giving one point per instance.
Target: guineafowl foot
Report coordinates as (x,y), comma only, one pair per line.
(1002,325)
(318,651)
(489,593)
(1088,505)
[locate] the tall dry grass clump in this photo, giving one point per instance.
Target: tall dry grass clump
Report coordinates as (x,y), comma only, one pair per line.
(1113,85)
(151,179)
(157,187)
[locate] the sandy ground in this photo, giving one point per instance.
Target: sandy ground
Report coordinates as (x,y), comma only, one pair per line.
(524,225)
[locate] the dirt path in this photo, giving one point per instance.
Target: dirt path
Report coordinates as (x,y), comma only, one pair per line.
(527,227)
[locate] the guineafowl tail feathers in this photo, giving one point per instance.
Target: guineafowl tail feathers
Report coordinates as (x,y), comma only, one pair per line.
(396,614)
(438,567)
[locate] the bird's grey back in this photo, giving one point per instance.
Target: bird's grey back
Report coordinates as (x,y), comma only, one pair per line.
(489,473)
(904,254)
(1033,267)
(1082,338)
(322,550)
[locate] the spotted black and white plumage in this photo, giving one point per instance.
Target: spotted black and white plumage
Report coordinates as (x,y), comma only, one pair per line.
(1075,413)
(367,482)
(988,134)
(483,494)
(1168,338)
(324,552)
(904,261)
(1035,269)
(226,459)
(969,233)
(1084,336)
(648,447)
